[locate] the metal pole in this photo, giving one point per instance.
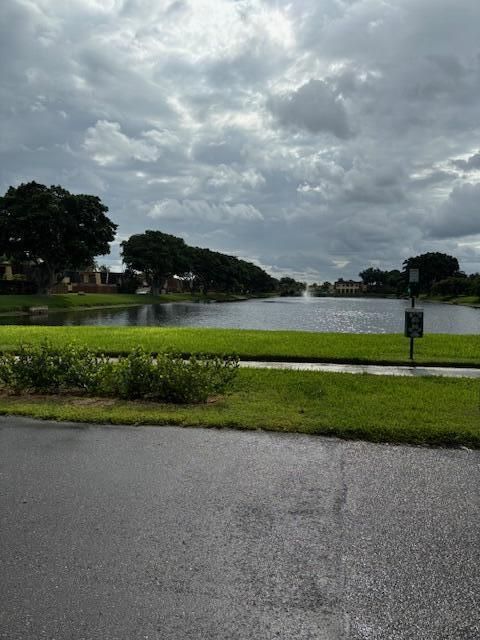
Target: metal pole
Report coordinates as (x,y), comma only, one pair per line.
(411,339)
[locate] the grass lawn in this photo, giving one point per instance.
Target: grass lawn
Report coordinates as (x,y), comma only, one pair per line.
(262,345)
(469,300)
(473,301)
(72,300)
(436,411)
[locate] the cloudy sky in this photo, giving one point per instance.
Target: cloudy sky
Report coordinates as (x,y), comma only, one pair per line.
(312,137)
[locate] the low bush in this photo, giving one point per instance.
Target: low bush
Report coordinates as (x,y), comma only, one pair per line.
(17,287)
(169,377)
(44,368)
(166,377)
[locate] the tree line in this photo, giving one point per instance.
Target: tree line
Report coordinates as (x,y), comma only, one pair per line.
(48,230)
(440,274)
(159,256)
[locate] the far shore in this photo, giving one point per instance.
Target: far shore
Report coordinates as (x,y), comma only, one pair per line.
(15,314)
(464,301)
(17,305)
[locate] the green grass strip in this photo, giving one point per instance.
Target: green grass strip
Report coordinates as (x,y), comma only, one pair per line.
(473,301)
(299,346)
(434,411)
(12,303)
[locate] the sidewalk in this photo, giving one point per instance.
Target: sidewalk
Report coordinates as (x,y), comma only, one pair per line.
(376,370)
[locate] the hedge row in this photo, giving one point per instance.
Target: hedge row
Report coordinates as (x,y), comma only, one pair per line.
(165,377)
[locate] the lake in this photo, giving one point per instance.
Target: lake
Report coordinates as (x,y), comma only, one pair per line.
(340,315)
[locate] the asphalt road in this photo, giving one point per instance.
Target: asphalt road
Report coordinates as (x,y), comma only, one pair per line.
(124,533)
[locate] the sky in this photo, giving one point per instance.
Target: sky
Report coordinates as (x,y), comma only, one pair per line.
(314,138)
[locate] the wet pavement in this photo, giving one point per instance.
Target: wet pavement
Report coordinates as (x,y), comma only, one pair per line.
(125,533)
(376,370)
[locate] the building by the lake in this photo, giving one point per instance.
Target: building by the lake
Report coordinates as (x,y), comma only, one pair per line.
(349,287)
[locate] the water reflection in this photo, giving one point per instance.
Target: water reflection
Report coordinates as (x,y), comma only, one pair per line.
(343,315)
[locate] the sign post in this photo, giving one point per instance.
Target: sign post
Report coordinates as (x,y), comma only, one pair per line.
(413,316)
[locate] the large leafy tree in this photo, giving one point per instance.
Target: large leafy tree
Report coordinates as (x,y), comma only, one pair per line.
(221,272)
(157,255)
(433,266)
(373,276)
(52,230)
(381,281)
(290,287)
(206,268)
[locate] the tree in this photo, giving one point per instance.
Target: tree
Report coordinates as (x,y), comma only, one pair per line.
(474,283)
(433,267)
(373,276)
(157,255)
(207,269)
(211,270)
(290,287)
(453,286)
(393,281)
(53,230)
(129,282)
(379,281)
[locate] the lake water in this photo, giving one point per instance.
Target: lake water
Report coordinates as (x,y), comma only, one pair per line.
(342,315)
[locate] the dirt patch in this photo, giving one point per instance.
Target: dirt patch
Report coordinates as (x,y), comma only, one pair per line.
(79,400)
(61,398)
(89,402)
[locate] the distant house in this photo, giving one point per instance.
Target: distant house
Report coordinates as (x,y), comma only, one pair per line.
(173,285)
(6,270)
(349,287)
(88,282)
(15,278)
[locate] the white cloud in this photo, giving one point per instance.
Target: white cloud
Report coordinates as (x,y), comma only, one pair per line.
(225,177)
(106,143)
(200,210)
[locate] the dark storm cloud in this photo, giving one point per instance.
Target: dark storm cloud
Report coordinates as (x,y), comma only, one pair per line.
(459,216)
(314,107)
(312,137)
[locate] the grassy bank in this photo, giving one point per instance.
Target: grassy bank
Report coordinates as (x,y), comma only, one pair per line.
(436,411)
(469,301)
(12,303)
(73,301)
(262,345)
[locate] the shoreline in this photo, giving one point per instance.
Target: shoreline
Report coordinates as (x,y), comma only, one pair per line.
(457,302)
(7,314)
(207,300)
(123,305)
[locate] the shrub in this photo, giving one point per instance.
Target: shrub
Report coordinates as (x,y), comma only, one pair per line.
(129,282)
(47,369)
(474,285)
(132,376)
(17,287)
(167,377)
(194,380)
(453,286)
